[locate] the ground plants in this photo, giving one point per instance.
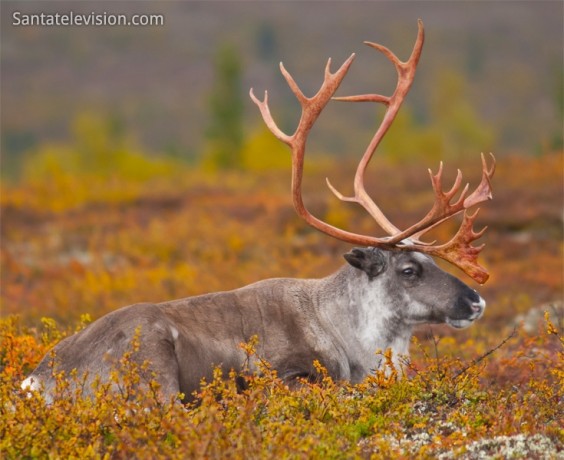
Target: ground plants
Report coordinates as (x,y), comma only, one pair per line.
(492,391)
(443,407)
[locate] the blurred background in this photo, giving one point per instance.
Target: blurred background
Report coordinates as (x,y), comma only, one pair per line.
(135,167)
(490,78)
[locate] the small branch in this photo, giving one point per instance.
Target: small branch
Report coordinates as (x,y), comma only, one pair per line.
(436,340)
(479,359)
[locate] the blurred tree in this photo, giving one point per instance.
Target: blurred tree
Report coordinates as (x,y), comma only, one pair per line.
(225,132)
(98,141)
(455,116)
(99,148)
(14,145)
(267,46)
(476,50)
(409,140)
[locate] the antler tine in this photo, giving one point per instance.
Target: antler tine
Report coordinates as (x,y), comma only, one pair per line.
(484,190)
(293,85)
(267,117)
(442,199)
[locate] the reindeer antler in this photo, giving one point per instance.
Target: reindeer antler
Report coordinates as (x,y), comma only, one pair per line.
(459,250)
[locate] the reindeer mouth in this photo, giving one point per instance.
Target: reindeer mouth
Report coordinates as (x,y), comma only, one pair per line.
(460,323)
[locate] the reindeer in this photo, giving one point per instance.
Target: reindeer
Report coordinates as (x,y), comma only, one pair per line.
(388,286)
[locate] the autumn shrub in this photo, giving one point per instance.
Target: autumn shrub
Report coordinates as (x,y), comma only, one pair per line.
(442,407)
(84,249)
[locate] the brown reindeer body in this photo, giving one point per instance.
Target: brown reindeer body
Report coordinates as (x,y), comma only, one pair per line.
(340,321)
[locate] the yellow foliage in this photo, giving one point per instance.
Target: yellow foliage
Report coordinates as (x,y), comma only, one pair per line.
(97,166)
(263,152)
(339,214)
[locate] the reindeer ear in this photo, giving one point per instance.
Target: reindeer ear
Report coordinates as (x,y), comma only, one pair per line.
(370,260)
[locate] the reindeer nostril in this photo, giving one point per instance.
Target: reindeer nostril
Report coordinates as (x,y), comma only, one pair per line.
(478,307)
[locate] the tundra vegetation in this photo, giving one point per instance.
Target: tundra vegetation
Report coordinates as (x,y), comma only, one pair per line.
(77,244)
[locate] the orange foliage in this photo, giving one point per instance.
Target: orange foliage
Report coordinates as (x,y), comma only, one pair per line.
(186,233)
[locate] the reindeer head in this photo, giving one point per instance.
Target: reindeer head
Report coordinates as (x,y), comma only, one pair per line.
(417,290)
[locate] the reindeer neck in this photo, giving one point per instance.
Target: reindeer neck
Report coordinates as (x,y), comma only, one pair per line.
(365,313)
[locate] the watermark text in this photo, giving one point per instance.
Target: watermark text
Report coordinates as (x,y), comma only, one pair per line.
(86,19)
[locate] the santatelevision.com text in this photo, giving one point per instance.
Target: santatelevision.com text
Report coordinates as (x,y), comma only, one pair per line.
(86,19)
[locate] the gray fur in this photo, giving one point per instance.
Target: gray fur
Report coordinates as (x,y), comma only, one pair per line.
(340,320)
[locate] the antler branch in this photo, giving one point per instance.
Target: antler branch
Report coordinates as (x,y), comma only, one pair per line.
(406,74)
(311,109)
(459,250)
(442,208)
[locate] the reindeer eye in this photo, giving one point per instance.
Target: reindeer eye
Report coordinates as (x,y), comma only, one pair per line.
(408,271)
